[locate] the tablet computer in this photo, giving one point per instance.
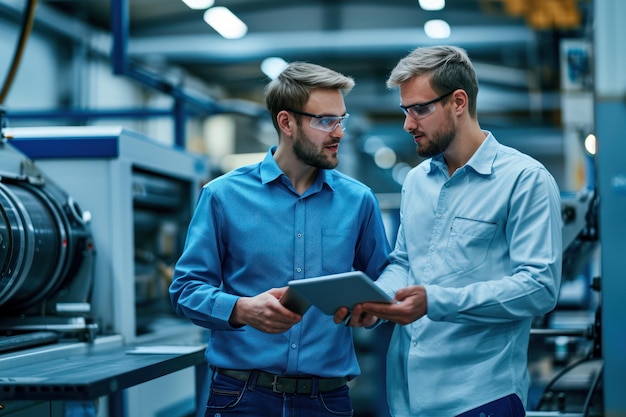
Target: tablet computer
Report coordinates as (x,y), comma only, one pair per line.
(295,302)
(329,292)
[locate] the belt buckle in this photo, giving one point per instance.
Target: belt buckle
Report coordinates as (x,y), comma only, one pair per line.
(274,389)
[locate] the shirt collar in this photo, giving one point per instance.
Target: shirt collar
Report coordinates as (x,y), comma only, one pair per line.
(270,171)
(269,168)
(482,160)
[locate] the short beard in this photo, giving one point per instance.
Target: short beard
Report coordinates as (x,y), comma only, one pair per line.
(439,143)
(308,154)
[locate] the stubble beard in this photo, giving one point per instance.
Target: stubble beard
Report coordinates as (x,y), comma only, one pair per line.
(309,154)
(438,142)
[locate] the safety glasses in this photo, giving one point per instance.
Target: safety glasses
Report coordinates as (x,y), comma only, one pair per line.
(420,110)
(324,123)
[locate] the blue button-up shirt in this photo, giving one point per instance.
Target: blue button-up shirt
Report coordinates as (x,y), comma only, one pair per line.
(251,231)
(486,245)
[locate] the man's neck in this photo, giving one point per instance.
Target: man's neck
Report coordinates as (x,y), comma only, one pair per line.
(301,175)
(464,148)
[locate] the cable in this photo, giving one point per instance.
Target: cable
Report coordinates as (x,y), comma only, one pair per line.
(592,390)
(562,372)
(27,25)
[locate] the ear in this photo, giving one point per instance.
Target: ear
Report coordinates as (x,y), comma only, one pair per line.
(285,122)
(460,101)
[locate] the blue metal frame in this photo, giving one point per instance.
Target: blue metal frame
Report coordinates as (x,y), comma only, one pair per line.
(82,114)
(68,147)
(121,66)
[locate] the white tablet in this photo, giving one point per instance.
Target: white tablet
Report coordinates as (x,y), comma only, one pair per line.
(329,292)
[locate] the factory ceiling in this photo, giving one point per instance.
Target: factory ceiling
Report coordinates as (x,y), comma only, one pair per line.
(514,43)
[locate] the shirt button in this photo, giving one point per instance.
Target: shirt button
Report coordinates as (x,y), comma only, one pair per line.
(293,346)
(299,269)
(414,344)
(440,216)
(299,235)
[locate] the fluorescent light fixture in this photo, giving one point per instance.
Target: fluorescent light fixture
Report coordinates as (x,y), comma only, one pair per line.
(199,4)
(432,4)
(590,144)
(225,23)
(437,29)
(273,66)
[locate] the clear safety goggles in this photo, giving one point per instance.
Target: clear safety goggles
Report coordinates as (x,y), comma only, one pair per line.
(324,123)
(420,110)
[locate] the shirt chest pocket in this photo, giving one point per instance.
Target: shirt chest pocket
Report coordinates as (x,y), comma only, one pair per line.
(337,250)
(468,243)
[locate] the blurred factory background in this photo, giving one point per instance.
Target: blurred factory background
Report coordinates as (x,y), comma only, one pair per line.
(115,112)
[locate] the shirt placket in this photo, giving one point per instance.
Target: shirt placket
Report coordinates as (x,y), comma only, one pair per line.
(437,234)
(299,221)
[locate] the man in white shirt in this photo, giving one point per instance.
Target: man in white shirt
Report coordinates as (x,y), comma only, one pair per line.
(478,253)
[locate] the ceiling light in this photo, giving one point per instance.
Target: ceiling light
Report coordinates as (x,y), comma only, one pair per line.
(432,4)
(199,4)
(590,144)
(273,66)
(437,29)
(225,23)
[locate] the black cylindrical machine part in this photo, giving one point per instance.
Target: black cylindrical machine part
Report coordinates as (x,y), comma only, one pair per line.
(42,243)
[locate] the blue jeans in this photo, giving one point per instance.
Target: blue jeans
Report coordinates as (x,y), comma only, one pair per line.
(230,397)
(509,406)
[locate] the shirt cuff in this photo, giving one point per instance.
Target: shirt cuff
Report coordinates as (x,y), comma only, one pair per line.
(224,306)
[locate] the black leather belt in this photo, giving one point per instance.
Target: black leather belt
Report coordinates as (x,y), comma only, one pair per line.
(285,384)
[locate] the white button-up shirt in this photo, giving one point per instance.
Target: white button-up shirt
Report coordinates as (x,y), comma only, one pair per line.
(486,243)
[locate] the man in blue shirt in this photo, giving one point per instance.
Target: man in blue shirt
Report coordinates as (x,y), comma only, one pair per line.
(478,253)
(291,216)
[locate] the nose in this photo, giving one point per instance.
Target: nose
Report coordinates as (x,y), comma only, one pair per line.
(341,124)
(339,133)
(409,123)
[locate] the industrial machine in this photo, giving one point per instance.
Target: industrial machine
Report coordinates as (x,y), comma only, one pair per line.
(89,282)
(140,195)
(565,355)
(46,256)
